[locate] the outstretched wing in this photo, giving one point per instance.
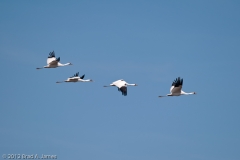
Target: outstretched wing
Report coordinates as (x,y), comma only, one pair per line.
(123,89)
(51,54)
(176,85)
(58,59)
(82,76)
(118,81)
(51,57)
(55,62)
(75,75)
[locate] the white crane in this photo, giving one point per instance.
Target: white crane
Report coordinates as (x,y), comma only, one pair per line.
(53,62)
(121,85)
(76,78)
(176,89)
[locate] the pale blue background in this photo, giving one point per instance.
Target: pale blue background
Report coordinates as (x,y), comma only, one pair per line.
(145,42)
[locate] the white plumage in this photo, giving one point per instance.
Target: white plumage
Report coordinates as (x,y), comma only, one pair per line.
(53,62)
(121,85)
(176,89)
(76,78)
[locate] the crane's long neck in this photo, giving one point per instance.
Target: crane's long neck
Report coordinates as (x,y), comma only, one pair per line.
(130,84)
(83,80)
(184,93)
(61,65)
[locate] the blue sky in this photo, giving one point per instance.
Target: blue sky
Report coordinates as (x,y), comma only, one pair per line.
(145,42)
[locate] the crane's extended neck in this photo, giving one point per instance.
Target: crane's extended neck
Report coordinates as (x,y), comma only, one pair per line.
(83,80)
(131,84)
(66,64)
(184,93)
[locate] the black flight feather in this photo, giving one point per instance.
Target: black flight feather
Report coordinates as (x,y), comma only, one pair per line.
(75,75)
(82,76)
(177,82)
(51,54)
(58,59)
(123,90)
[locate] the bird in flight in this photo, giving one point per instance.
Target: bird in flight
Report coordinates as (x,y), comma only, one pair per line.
(76,78)
(121,85)
(176,89)
(53,62)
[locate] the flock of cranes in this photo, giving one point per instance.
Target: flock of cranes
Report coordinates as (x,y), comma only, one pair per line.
(53,62)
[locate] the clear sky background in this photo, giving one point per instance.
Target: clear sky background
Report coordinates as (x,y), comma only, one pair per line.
(145,42)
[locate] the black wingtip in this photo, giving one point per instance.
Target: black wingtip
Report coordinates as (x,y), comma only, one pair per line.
(82,76)
(76,75)
(177,82)
(51,54)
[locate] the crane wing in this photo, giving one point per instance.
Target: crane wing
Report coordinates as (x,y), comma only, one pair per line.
(82,76)
(75,75)
(118,81)
(54,62)
(51,57)
(123,89)
(176,85)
